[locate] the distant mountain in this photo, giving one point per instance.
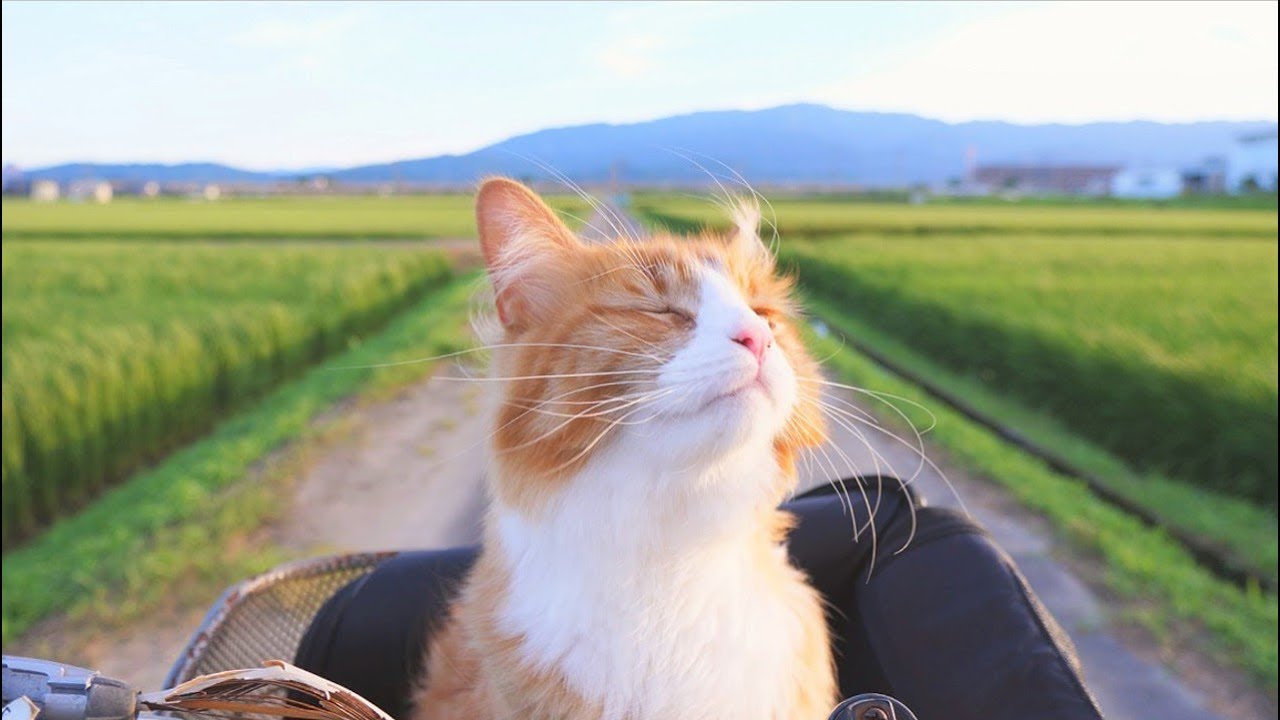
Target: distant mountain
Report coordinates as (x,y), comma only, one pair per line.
(789,144)
(143,172)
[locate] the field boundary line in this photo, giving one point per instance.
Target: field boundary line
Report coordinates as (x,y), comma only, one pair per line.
(1204,553)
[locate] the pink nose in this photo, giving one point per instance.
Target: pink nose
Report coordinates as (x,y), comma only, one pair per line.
(756,339)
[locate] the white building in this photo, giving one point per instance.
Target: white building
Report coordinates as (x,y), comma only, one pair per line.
(1146,183)
(98,191)
(45,191)
(1252,163)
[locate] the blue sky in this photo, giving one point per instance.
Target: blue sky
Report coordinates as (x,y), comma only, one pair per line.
(329,84)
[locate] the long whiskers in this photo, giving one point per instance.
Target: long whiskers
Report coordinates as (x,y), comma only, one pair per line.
(591,445)
(916,448)
(869,419)
(871,511)
(593,409)
(616,223)
(836,480)
(628,333)
(498,346)
(772,221)
(554,376)
(566,423)
(837,416)
(933,419)
(584,221)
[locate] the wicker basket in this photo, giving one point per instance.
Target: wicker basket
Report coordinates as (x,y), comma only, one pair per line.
(265,617)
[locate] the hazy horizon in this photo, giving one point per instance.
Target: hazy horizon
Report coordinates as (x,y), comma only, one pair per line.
(331,167)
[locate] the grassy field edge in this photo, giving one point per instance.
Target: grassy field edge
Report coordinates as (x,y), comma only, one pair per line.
(96,565)
(1141,563)
(693,218)
(1245,532)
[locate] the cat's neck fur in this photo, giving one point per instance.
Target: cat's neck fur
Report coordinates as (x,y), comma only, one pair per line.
(632,501)
(641,579)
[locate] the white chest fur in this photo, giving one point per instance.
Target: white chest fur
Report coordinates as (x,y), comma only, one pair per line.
(653,594)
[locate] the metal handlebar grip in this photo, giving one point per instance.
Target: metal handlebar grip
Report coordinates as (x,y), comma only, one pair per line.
(67,692)
(871,706)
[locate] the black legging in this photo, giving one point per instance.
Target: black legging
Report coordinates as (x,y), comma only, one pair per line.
(948,626)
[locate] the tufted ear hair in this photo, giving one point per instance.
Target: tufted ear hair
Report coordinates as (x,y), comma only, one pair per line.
(746,230)
(524,243)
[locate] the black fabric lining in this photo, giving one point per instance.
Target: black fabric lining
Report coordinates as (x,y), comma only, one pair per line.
(1057,637)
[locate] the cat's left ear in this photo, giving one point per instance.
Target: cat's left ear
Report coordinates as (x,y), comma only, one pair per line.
(746,232)
(525,247)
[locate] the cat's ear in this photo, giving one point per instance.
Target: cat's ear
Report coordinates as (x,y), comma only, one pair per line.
(746,231)
(524,243)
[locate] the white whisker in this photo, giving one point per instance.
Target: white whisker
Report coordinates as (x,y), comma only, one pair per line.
(838,416)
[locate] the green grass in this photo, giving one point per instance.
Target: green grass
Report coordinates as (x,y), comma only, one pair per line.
(115,353)
(329,217)
(799,217)
(1248,201)
(1245,201)
(1162,352)
(1140,563)
(185,519)
(1242,531)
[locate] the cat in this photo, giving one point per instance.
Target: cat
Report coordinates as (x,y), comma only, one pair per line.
(651,397)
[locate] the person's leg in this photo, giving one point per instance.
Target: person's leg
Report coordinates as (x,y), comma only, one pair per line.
(945,624)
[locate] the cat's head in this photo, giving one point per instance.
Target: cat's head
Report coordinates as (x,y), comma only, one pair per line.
(677,351)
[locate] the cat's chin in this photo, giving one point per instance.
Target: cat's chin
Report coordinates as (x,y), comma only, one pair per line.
(744,394)
(726,423)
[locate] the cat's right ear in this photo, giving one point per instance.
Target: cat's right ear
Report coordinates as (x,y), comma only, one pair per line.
(524,244)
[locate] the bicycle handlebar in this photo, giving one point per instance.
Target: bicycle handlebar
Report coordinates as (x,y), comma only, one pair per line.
(67,692)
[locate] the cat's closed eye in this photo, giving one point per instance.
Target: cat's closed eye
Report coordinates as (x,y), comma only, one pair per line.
(769,315)
(670,312)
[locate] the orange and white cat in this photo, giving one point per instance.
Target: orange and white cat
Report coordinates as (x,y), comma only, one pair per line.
(651,397)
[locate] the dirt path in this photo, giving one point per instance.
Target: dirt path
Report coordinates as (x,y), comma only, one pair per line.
(409,476)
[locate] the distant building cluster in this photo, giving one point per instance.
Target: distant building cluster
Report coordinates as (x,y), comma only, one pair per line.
(1250,167)
(103,191)
(1252,163)
(1044,179)
(96,190)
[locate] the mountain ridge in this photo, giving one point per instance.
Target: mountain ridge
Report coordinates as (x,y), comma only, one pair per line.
(798,143)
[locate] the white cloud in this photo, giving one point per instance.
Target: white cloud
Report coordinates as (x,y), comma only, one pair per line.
(641,32)
(295,32)
(1083,62)
(632,56)
(307,37)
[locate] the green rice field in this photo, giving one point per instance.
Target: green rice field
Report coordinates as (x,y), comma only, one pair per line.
(802,217)
(331,217)
(1162,351)
(115,353)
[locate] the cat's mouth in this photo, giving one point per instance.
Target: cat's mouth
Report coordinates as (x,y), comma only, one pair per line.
(741,390)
